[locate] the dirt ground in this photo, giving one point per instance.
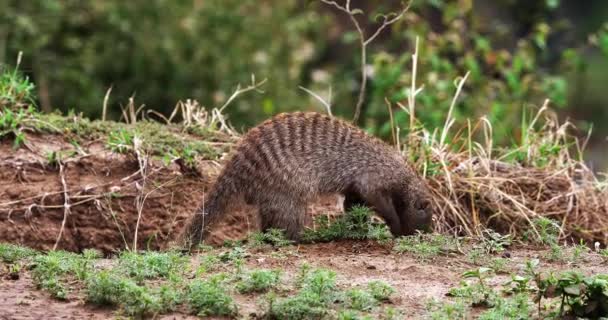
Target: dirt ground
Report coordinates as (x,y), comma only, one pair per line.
(356,262)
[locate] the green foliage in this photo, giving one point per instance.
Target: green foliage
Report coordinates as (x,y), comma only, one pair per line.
(426,246)
(121,141)
(274,237)
(52,267)
(151,264)
(580,296)
(209,298)
(60,37)
(16,90)
(442,310)
(501,81)
(111,288)
(11,123)
(318,289)
(361,300)
(380,290)
(258,281)
(10,253)
(354,224)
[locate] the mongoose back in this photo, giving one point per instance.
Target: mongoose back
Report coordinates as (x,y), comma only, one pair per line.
(292,158)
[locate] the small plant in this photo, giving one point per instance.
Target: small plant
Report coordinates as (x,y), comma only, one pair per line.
(151,264)
(354,224)
(361,300)
(16,91)
(258,281)
(441,310)
(274,237)
(517,307)
(494,242)
(351,315)
(209,298)
(381,291)
(317,290)
(50,268)
(499,265)
(10,253)
(479,294)
(580,296)
(548,231)
(426,246)
(109,288)
(12,123)
(121,141)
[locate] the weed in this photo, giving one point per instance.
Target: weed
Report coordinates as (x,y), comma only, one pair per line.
(10,253)
(426,246)
(354,224)
(351,315)
(499,265)
(12,123)
(16,90)
(50,268)
(209,298)
(121,141)
(361,300)
(381,291)
(151,264)
(305,305)
(274,237)
(210,262)
(517,307)
(441,310)
(478,293)
(548,231)
(477,256)
(258,281)
(318,289)
(494,242)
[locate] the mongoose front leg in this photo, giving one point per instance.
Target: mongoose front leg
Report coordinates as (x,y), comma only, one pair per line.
(382,203)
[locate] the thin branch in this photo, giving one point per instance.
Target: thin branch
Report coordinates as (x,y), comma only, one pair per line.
(326,103)
(253,86)
(364,43)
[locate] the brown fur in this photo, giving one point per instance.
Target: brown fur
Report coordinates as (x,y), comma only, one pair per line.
(291,159)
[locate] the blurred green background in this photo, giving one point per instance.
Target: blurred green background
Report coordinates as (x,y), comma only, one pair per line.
(518,52)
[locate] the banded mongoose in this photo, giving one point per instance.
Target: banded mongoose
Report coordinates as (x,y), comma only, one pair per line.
(292,158)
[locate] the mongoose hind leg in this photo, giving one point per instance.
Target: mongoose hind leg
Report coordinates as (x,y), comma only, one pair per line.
(287,215)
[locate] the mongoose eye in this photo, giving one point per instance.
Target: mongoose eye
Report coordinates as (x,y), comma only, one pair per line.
(423,204)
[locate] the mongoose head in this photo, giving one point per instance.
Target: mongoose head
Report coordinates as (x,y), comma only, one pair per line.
(417,213)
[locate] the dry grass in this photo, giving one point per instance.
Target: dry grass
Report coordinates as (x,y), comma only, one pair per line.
(477,185)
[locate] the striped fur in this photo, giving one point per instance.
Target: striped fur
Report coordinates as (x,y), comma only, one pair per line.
(289,160)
